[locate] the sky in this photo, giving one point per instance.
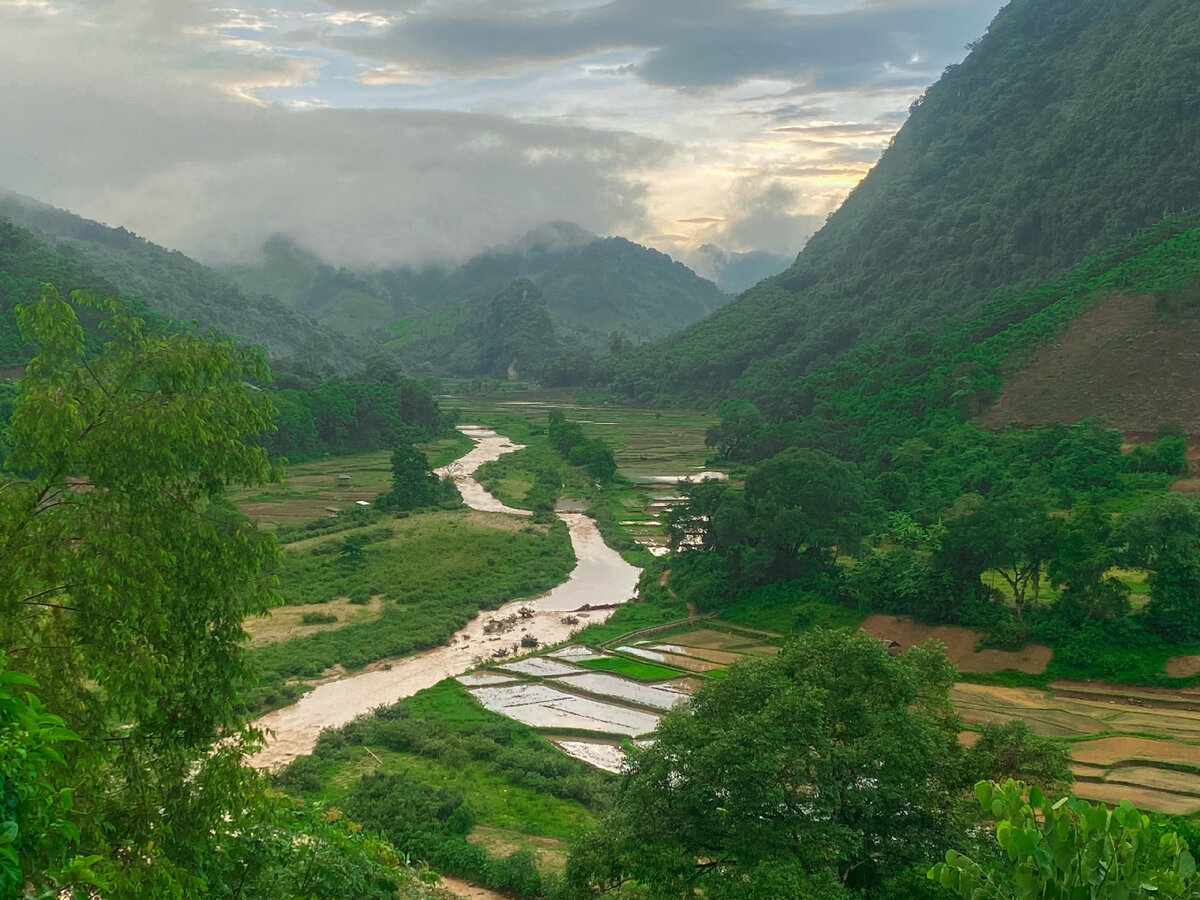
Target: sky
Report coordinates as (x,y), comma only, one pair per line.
(379,132)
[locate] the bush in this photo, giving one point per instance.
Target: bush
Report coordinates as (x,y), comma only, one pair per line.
(318,618)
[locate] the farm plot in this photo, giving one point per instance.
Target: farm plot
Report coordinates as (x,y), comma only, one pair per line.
(604,756)
(664,696)
(1126,743)
(690,663)
(543,706)
(960,645)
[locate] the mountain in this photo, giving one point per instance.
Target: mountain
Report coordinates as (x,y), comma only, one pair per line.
(1067,128)
(506,334)
(177,287)
(592,286)
(1117,337)
(735,272)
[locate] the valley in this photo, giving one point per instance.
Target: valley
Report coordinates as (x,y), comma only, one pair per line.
(401,518)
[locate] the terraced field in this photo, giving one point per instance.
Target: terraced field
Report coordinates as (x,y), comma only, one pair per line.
(1141,744)
(589,701)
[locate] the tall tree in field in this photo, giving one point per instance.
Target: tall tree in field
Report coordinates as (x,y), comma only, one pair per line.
(1164,537)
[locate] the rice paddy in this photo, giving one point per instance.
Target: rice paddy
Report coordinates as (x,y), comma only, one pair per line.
(1137,744)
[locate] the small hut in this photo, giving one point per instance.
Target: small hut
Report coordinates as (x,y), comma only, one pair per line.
(344,480)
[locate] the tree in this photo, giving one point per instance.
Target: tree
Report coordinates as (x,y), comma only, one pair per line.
(814,774)
(1012,534)
(806,501)
(1164,537)
(1070,849)
(414,483)
(127,577)
(740,420)
(1010,750)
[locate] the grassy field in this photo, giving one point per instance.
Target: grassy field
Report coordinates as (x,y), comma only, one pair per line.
(311,490)
(521,791)
(429,573)
(644,441)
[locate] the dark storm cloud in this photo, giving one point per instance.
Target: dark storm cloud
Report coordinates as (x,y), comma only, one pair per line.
(690,45)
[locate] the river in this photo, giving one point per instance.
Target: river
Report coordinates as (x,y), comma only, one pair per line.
(600,578)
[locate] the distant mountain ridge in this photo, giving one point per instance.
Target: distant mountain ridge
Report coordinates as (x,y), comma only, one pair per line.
(593,286)
(177,287)
(1068,127)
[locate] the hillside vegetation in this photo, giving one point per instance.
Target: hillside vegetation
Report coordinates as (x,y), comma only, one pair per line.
(592,286)
(175,286)
(1068,127)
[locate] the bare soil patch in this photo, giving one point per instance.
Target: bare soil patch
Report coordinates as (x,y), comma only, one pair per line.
(286,622)
(1118,359)
(960,645)
(1183,666)
(1111,750)
(1143,798)
(467,890)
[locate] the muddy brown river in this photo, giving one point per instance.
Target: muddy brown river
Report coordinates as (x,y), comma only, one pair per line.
(600,578)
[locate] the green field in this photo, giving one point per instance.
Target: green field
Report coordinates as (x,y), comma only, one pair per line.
(518,790)
(311,490)
(644,441)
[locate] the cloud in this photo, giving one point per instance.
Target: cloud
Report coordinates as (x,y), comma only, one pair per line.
(172,153)
(764,212)
(701,44)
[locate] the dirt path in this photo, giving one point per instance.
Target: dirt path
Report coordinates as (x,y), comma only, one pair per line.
(601,577)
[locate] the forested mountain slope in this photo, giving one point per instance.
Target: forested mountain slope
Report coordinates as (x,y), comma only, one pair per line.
(1068,127)
(178,287)
(506,333)
(593,286)
(1118,337)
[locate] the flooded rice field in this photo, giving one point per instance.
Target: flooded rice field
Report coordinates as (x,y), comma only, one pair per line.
(539,665)
(542,706)
(690,663)
(605,756)
(661,696)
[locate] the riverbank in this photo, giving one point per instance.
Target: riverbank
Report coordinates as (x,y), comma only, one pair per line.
(601,578)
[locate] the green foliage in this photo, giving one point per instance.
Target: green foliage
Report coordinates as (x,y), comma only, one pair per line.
(334,416)
(788,606)
(590,454)
(1010,750)
(763,779)
(128,576)
(1070,849)
(1164,537)
(446,763)
(1005,174)
(37,835)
